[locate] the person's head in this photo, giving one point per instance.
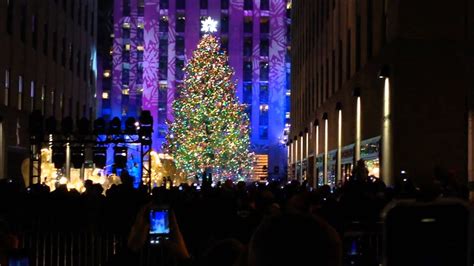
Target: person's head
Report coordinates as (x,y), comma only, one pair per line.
(223,253)
(294,239)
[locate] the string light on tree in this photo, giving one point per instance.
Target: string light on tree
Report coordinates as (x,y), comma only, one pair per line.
(210,132)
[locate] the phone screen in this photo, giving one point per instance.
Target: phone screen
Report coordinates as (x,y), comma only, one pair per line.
(159,225)
(429,234)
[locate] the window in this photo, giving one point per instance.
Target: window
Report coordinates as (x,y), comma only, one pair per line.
(224,4)
(263,97)
(248,93)
(164,4)
(163,24)
(78,62)
(32,95)
(20,92)
(179,69)
(224,44)
(141,8)
(180,24)
(79,13)
(43,100)
(92,23)
(247,71)
(263,115)
(125,76)
(63,52)
(140,35)
(224,23)
(248,26)
(248,99)
(163,68)
(126,34)
(264,4)
(7,87)
(264,69)
(86,19)
(369,28)
(10,16)
(263,132)
(180,4)
(23,23)
(72,9)
(34,31)
(45,39)
(264,25)
(126,8)
(126,53)
(140,54)
(179,45)
(55,46)
(162,103)
(203,4)
(140,74)
(248,4)
(248,46)
(264,47)
(163,47)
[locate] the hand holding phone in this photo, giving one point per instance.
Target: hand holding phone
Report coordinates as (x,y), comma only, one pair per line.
(159,225)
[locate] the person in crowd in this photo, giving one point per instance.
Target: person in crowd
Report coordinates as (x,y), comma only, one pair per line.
(295,239)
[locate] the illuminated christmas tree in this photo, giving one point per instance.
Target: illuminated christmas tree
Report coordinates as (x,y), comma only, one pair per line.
(210,131)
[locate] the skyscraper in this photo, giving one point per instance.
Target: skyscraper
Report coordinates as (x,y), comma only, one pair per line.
(47,63)
(152,39)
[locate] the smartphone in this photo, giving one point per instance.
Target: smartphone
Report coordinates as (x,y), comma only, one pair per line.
(159,225)
(426,233)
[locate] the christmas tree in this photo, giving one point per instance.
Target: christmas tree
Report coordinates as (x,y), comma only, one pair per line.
(210,131)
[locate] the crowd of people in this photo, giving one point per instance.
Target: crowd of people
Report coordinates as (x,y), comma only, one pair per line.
(219,224)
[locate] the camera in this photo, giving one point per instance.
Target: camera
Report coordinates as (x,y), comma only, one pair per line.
(159,225)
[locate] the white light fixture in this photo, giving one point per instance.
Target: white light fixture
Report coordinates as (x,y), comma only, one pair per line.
(209,25)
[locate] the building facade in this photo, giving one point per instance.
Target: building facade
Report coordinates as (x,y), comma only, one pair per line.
(153,39)
(385,81)
(47,63)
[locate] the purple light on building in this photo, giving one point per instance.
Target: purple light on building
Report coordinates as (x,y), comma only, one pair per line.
(154,38)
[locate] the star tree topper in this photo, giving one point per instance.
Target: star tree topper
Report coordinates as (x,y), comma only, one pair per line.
(209,25)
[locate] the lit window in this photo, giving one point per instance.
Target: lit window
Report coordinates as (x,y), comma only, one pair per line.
(7,86)
(126,25)
(20,92)
(105,95)
(107,73)
(140,26)
(264,107)
(125,91)
(288,93)
(287,115)
(140,48)
(32,95)
(139,90)
(127,47)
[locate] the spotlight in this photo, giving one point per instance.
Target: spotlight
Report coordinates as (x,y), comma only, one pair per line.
(67,125)
(146,127)
(58,156)
(130,126)
(115,126)
(99,156)
(99,126)
(83,126)
(77,156)
(50,125)
(120,157)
